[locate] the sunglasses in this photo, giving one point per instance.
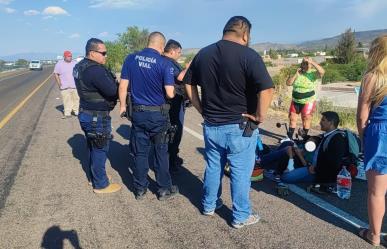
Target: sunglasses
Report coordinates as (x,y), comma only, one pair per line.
(103,53)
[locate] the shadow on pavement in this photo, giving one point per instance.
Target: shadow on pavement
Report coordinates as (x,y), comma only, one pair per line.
(60,108)
(268,187)
(54,237)
(121,161)
(80,151)
(124,131)
(191,186)
(270,134)
(201,151)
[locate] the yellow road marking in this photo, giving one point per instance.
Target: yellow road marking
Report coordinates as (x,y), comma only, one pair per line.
(21,104)
(14,76)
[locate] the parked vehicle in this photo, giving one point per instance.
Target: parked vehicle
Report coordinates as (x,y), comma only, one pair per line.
(36,65)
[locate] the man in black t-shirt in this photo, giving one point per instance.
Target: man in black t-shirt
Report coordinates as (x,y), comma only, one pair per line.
(235,87)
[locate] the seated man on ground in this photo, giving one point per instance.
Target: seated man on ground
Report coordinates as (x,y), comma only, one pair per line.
(286,157)
(327,158)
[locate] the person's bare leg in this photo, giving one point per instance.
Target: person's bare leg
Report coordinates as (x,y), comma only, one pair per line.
(377,187)
(292,123)
(293,119)
(289,151)
(306,121)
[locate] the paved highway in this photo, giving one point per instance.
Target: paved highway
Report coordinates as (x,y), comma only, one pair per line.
(18,123)
(46,202)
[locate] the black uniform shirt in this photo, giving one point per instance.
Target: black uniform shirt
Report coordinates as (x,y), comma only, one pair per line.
(179,86)
(97,77)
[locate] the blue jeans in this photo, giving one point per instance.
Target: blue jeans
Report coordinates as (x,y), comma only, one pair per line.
(97,154)
(298,175)
(222,143)
(147,127)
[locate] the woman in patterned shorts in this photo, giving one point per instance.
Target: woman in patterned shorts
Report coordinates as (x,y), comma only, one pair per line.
(304,84)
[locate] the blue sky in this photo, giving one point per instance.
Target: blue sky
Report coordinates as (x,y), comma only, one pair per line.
(57,25)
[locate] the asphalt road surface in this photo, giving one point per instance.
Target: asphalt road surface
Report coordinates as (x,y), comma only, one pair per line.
(46,202)
(16,135)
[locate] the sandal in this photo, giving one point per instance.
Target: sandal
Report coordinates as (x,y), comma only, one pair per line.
(363,232)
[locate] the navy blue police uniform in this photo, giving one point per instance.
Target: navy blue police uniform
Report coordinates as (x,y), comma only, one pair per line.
(148,72)
(98,92)
(176,115)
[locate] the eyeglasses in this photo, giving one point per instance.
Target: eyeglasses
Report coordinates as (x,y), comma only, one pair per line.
(104,53)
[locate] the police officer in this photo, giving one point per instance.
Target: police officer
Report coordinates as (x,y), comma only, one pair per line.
(172,52)
(151,81)
(97,89)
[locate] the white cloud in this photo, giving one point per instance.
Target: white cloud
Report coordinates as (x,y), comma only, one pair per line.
(9,10)
(47,17)
(103,34)
(60,32)
(117,4)
(74,36)
(31,12)
(5,1)
(54,10)
(367,8)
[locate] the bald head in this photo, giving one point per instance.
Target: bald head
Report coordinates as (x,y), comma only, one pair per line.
(156,40)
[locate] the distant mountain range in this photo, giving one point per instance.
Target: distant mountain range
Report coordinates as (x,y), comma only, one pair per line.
(33,56)
(365,37)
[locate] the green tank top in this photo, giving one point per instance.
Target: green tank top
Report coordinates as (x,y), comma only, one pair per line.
(305,83)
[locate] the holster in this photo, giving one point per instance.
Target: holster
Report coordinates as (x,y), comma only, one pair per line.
(129,107)
(98,140)
(166,136)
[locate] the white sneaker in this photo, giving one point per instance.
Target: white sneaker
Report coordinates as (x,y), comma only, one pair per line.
(253,218)
(285,140)
(219,204)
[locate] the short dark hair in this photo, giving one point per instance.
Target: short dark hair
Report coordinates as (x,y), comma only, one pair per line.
(237,25)
(332,117)
(304,66)
(92,45)
(155,36)
(171,45)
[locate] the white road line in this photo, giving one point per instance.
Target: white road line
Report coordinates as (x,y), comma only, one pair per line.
(13,76)
(328,207)
(309,197)
(194,133)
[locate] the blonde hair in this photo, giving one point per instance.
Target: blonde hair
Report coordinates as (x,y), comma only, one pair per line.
(377,67)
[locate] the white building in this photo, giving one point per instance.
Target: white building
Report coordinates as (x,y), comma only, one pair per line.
(294,55)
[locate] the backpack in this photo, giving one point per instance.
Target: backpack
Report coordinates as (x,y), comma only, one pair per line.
(354,146)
